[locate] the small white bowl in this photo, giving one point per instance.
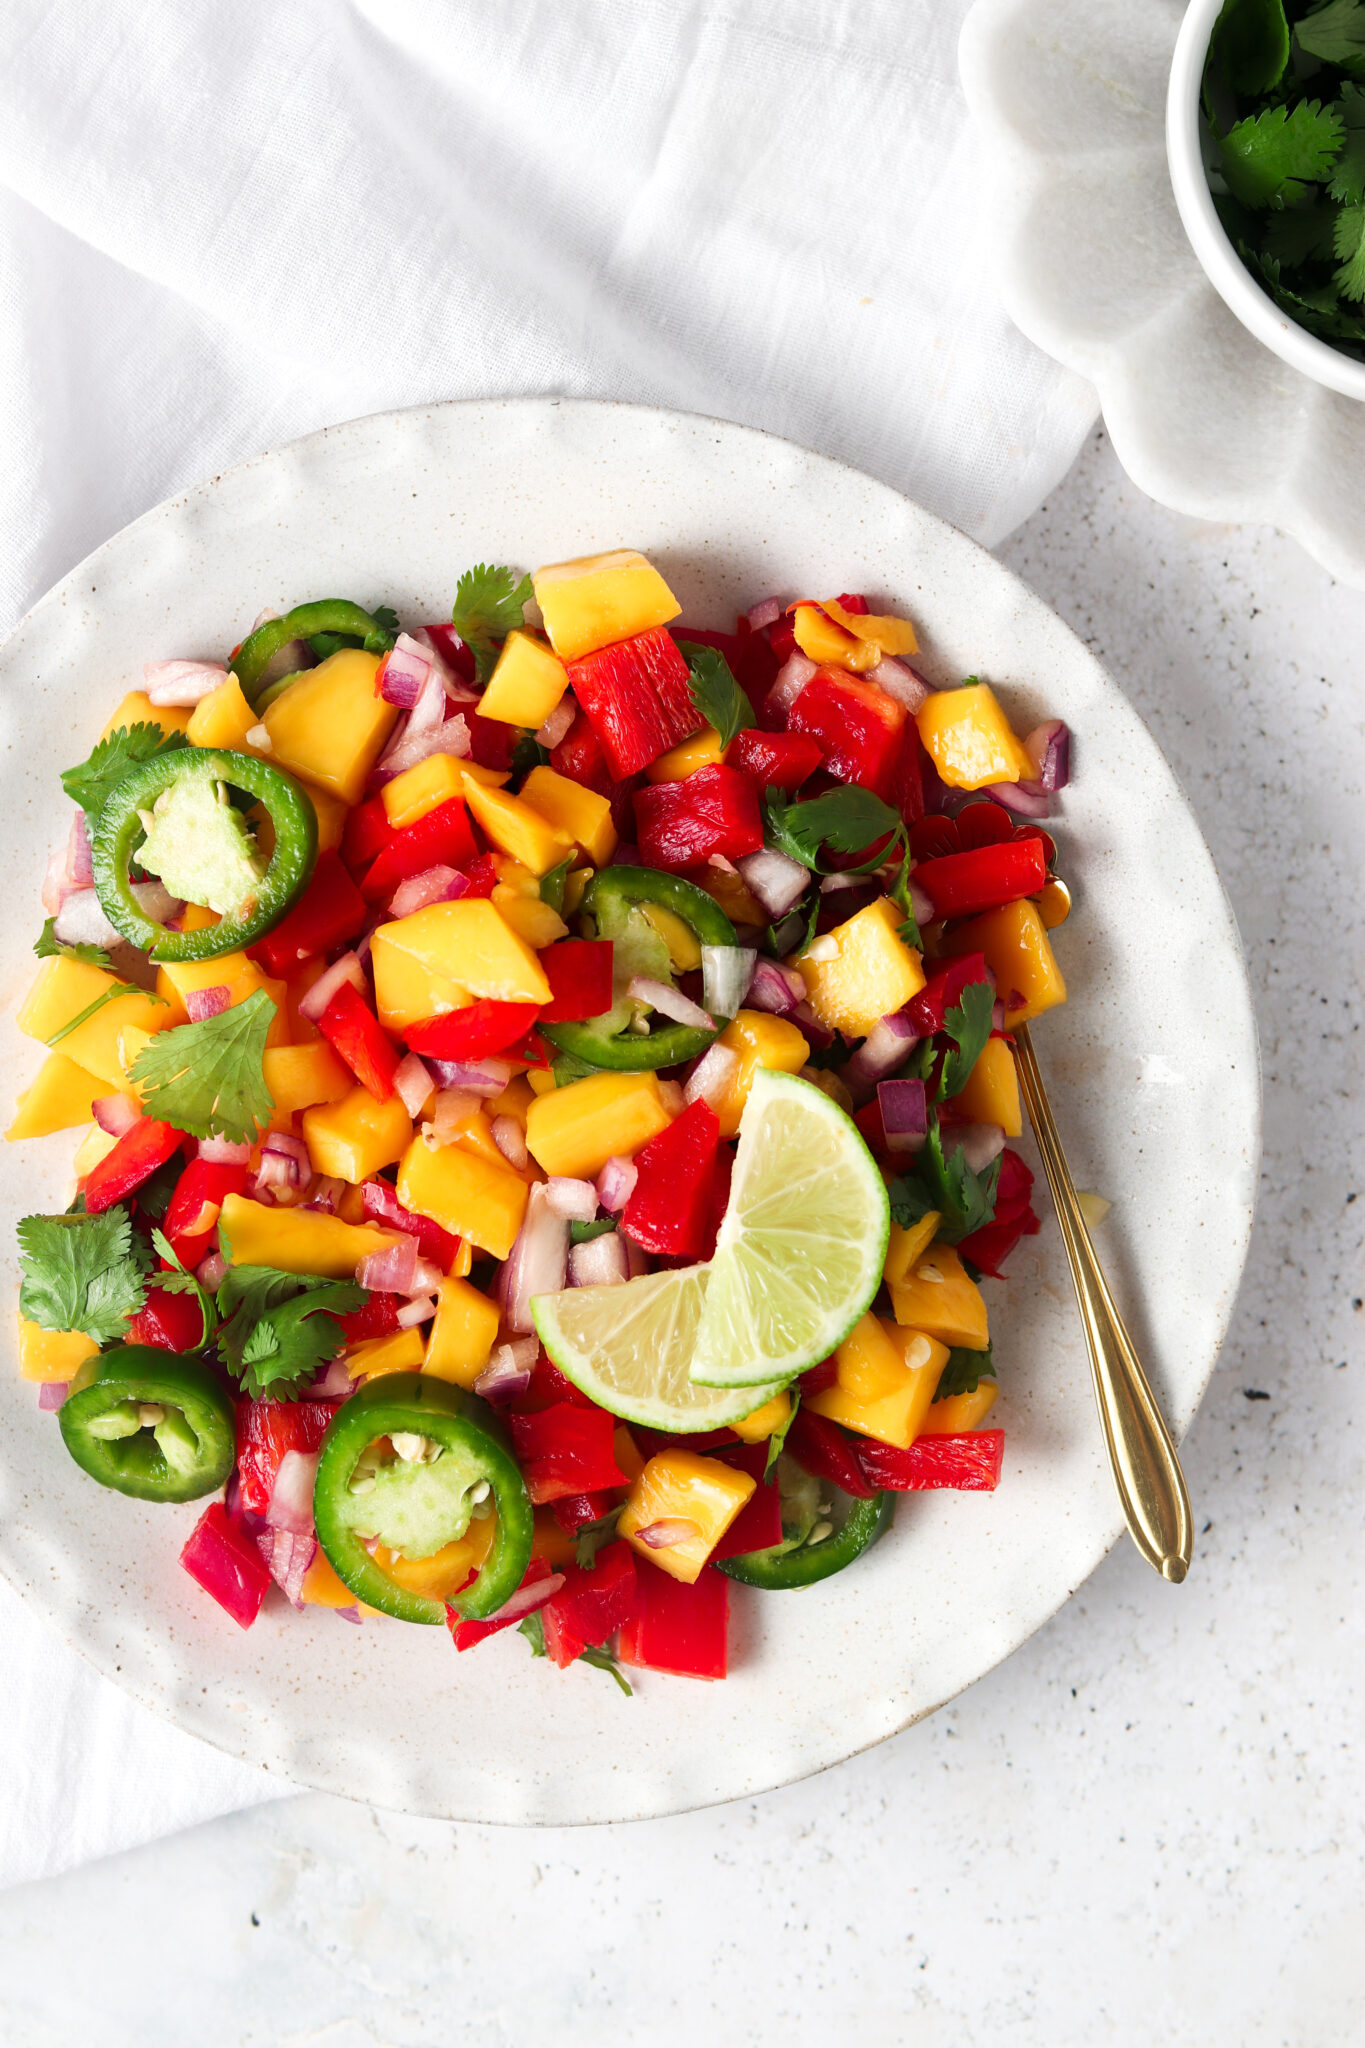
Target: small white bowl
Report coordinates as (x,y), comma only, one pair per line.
(1222,265)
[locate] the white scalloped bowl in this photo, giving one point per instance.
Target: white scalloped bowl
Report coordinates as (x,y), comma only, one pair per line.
(1222,265)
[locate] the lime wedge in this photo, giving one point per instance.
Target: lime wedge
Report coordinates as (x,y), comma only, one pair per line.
(803,1243)
(629,1348)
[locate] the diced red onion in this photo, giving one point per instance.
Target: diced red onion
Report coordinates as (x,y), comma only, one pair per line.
(725,975)
(223,1152)
(475,1077)
(432,708)
(51,1395)
(558,722)
(277,1176)
(601,1262)
(980,1143)
(203,1003)
(812,1027)
(346,969)
(510,1140)
(712,1076)
(181,682)
(897,679)
(451,1110)
(795,672)
(921,905)
(450,738)
(404,671)
(261,619)
(776,880)
(1049,748)
(433,885)
(574,1200)
(211,1271)
(288,1553)
(79,867)
(668,1532)
(291,1500)
(433,641)
(904,1110)
(997,1015)
(389,1270)
(291,1148)
(426,1278)
(616,1183)
(333,1385)
(538,1261)
(56,887)
(115,1114)
(888,1045)
(774,988)
(324,1193)
(419,1310)
(527,1599)
(1025,799)
(669,1002)
(80,918)
(413,1084)
(507,1374)
(351,1614)
(766,613)
(285,661)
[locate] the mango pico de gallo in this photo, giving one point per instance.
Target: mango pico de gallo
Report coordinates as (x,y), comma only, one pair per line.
(400,979)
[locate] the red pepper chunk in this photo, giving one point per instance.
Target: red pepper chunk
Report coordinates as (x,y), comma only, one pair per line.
(775,760)
(441,839)
(591,1605)
(143,1147)
(221,1556)
(579,756)
(637,698)
(549,1386)
(858,727)
(381,1205)
(350,1026)
(681,824)
(670,1205)
(969,1463)
(566,1449)
(823,1450)
(758,1525)
(989,1247)
(677,1628)
(466,1635)
(266,1430)
(964,884)
(576,1510)
(943,991)
(377,1317)
(171,1322)
(366,833)
(330,911)
(476,1032)
(579,974)
(481,875)
(192,1212)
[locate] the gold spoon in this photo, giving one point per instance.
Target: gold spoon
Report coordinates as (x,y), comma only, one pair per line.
(1151,1485)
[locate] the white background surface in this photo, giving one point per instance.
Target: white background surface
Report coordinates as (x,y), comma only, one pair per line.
(1146,1827)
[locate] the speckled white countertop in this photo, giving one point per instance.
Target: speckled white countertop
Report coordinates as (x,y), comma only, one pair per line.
(1147,1825)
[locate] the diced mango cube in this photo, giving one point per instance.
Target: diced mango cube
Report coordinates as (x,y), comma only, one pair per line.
(469,1196)
(580,813)
(461,1339)
(137,708)
(300,1075)
(321,1586)
(94,1146)
(682,1486)
(886,1382)
(764,1422)
(958,1412)
(52,1355)
(862,970)
(539,924)
(1019,953)
(822,639)
(63,989)
(329,726)
(969,739)
(330,812)
(448,955)
(222,719)
(940,1298)
(353,1136)
(991,1093)
(760,1040)
(597,599)
(905,1248)
(518,829)
(703,750)
(441,1575)
(893,636)
(235,972)
(574,1131)
(515,1100)
(400,1351)
(421,789)
(296,1240)
(58,1100)
(527,682)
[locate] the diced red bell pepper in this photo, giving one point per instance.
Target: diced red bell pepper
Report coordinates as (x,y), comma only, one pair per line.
(467,1634)
(677,1628)
(377,1317)
(855,604)
(441,839)
(482,876)
(670,1206)
(822,1449)
(719,1201)
(988,1248)
(775,760)
(143,1147)
(266,1430)
(579,974)
(221,1556)
(820,1377)
(566,1449)
(453,650)
(192,1213)
(637,697)
(1016,1179)
(858,727)
(172,1322)
(579,756)
(869,1122)
(533,1049)
(366,833)
(381,1205)
(758,1525)
(969,1463)
(964,884)
(330,911)
(728,644)
(350,1026)
(943,991)
(679,825)
(491,743)
(476,1032)
(755,665)
(548,1387)
(591,1605)
(576,1510)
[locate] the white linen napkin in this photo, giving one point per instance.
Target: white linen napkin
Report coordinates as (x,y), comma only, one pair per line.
(221,227)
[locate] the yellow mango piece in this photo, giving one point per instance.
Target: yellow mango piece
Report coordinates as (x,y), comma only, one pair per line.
(763,1423)
(886,1383)
(300,1075)
(441,1575)
(1019,953)
(991,1094)
(421,789)
(132,1041)
(539,924)
(868,1363)
(683,1486)
(241,978)
(58,1100)
(518,829)
(222,719)
(137,708)
(330,811)
(515,1100)
(969,739)
(541,1081)
(462,1334)
(197,917)
(62,990)
(52,1355)
(703,750)
(466,1195)
(296,1240)
(823,640)
(352,1136)
(574,1131)
(329,726)
(351,1204)
(400,1351)
(581,814)
(940,1298)
(905,1248)
(761,1041)
(893,636)
(94,1146)
(861,971)
(448,955)
(527,682)
(491,778)
(321,1586)
(597,599)
(733,894)
(958,1412)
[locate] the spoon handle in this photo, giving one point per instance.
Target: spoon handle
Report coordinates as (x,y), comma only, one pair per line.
(1151,1485)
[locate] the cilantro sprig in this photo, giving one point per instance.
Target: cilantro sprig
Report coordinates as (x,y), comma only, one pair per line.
(91,782)
(279,1329)
(944,1182)
(82,1273)
(846,820)
(964,1372)
(968,1024)
(179,1280)
(208,1079)
(49,947)
(102,1000)
(489,602)
(718,697)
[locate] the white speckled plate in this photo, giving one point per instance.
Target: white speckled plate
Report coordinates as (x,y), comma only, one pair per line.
(1094,266)
(1152,1064)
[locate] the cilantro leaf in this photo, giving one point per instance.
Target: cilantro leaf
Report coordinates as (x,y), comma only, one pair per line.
(777,1441)
(386,618)
(1347,182)
(1297,235)
(968,1023)
(718,697)
(489,602)
(593,1535)
(180,1281)
(910,1201)
(527,754)
(89,784)
(153,1198)
(82,1273)
(1349,244)
(584,1233)
(602,1660)
(964,1200)
(1267,157)
(108,995)
(49,947)
(1336,33)
(846,820)
(208,1079)
(1249,47)
(964,1372)
(278,1328)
